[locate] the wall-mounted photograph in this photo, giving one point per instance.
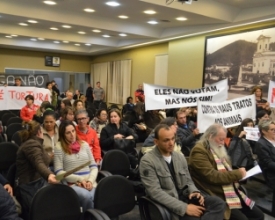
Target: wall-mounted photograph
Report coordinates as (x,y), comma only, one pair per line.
(246,59)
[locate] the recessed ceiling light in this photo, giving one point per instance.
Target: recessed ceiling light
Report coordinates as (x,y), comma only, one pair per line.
(88,44)
(66,26)
(14,35)
(54,28)
(65,41)
(112,3)
(123,16)
(96,31)
(89,10)
(123,35)
(152,22)
(105,35)
(40,38)
(50,2)
(56,42)
(81,32)
(8,36)
(77,44)
(149,12)
(23,24)
(181,19)
(32,21)
(33,39)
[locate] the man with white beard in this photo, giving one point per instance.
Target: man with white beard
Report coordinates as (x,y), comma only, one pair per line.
(210,169)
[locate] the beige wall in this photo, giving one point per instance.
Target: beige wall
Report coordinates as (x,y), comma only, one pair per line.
(143,62)
(36,60)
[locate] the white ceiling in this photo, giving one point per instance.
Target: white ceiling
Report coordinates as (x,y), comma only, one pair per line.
(202,16)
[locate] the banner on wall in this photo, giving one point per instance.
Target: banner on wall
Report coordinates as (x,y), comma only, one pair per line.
(228,113)
(163,97)
(271,94)
(13,97)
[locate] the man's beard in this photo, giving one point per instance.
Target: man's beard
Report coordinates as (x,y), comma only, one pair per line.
(219,150)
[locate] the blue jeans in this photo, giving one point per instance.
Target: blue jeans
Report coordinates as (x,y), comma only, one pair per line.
(86,197)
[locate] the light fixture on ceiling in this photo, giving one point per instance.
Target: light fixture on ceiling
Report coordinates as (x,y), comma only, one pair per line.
(77,44)
(54,28)
(32,21)
(65,41)
(112,3)
(14,35)
(123,35)
(88,44)
(56,42)
(152,22)
(150,12)
(8,36)
(23,24)
(89,10)
(168,2)
(105,35)
(181,18)
(123,16)
(97,31)
(81,32)
(33,39)
(66,26)
(49,2)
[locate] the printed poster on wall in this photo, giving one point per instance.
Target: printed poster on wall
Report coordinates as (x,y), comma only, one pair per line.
(228,113)
(163,97)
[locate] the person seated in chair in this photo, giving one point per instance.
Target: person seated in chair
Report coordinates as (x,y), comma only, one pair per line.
(211,170)
(165,176)
(266,152)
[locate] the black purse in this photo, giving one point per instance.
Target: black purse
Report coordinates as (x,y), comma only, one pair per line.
(126,145)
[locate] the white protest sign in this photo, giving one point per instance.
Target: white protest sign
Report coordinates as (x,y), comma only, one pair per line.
(163,97)
(271,94)
(252,134)
(229,113)
(13,97)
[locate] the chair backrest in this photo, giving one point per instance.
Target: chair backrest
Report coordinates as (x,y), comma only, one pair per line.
(6,117)
(16,138)
(12,129)
(116,162)
(55,201)
(14,120)
(2,112)
(150,210)
(102,105)
(114,196)
(7,155)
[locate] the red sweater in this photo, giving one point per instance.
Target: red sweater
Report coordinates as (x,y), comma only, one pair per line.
(27,112)
(91,138)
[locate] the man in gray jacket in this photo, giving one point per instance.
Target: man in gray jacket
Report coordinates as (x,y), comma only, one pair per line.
(165,176)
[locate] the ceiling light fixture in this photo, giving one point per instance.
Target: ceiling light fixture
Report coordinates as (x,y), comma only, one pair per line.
(112,3)
(88,44)
(123,35)
(105,35)
(14,35)
(54,28)
(181,19)
(56,42)
(32,21)
(23,24)
(152,22)
(66,26)
(81,32)
(77,44)
(123,16)
(65,41)
(150,12)
(40,38)
(33,39)
(8,36)
(96,31)
(49,2)
(89,10)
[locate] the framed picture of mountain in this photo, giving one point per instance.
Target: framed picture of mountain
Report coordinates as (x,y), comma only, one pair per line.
(246,59)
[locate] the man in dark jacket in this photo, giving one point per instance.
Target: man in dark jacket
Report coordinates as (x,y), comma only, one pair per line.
(7,205)
(89,94)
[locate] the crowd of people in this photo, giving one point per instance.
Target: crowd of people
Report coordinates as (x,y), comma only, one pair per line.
(60,136)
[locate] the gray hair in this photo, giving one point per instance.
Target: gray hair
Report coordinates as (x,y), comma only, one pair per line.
(81,111)
(264,125)
(210,132)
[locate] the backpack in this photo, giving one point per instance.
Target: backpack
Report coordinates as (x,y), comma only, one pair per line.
(240,153)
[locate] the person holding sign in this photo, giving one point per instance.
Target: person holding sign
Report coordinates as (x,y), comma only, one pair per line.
(211,170)
(261,104)
(266,151)
(29,110)
(70,152)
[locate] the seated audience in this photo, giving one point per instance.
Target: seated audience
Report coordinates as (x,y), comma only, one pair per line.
(69,96)
(7,204)
(39,113)
(266,152)
(85,133)
(77,95)
(261,104)
(66,114)
(139,93)
(129,106)
(210,168)
(63,104)
(70,153)
(78,105)
(188,132)
(32,164)
(99,121)
(261,115)
(84,100)
(29,110)
(165,176)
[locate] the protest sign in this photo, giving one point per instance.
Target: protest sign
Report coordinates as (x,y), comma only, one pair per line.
(163,97)
(228,113)
(271,94)
(13,97)
(252,134)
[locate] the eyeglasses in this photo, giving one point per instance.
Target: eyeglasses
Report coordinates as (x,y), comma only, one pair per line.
(80,119)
